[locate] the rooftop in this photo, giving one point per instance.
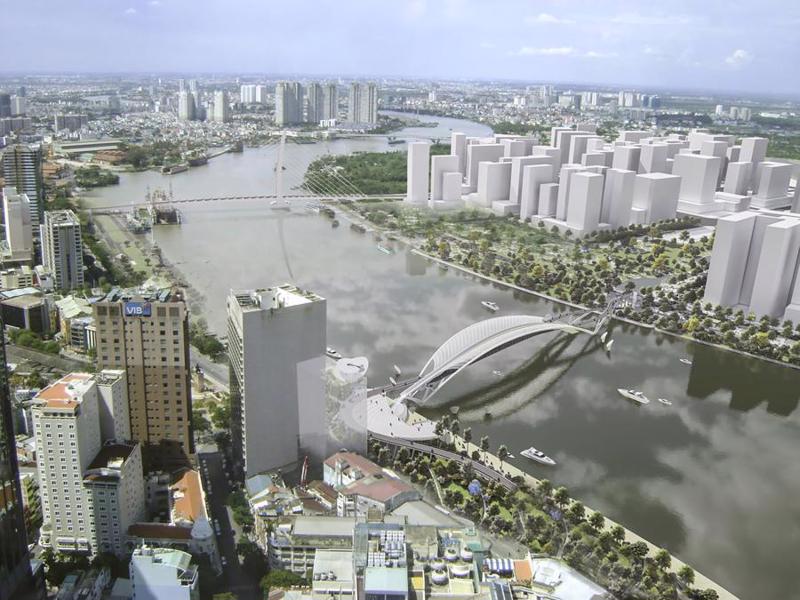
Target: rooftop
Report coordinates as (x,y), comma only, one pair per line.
(187,498)
(390,580)
(159,531)
(142,294)
(66,393)
(107,465)
(352,465)
(281,296)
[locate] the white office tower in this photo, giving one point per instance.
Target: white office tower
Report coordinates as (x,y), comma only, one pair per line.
(754,151)
(699,176)
(363,104)
(754,264)
(18,106)
(458,147)
(186,106)
(445,191)
(247,94)
(418,172)
(17,218)
(330,101)
(163,574)
(655,197)
(585,202)
(222,109)
(773,185)
(494,182)
(618,198)
(476,154)
(92,488)
(653,158)
(533,178)
(62,249)
(346,388)
(719,110)
(316,104)
(261,94)
(288,103)
(276,346)
(22,169)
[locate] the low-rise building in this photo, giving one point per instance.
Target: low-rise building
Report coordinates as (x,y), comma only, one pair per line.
(26,308)
(163,574)
(293,542)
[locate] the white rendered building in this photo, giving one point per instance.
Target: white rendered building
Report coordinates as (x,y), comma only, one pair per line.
(276,346)
(163,574)
(17,219)
(418,172)
(62,248)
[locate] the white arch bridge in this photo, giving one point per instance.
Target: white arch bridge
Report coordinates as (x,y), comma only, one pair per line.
(484,338)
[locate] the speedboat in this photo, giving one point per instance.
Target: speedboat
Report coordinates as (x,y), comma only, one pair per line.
(665,402)
(634,395)
(538,456)
(603,336)
(333,352)
(488,305)
(397,370)
(686,361)
(497,373)
(384,249)
(608,345)
(392,380)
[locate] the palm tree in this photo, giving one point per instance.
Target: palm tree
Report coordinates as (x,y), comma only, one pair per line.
(544,489)
(502,452)
(561,496)
(467,434)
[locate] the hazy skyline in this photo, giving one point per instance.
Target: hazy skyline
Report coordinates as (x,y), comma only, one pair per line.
(707,45)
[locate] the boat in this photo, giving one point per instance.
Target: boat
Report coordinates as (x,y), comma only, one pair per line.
(335,223)
(394,140)
(333,352)
(393,381)
(665,402)
(634,395)
(172,169)
(497,373)
(397,370)
(487,415)
(384,249)
(538,456)
(608,345)
(686,361)
(237,146)
(488,305)
(443,266)
(603,337)
(197,160)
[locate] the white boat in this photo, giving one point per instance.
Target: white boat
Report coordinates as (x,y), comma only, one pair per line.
(603,337)
(384,249)
(497,373)
(392,380)
(397,370)
(538,456)
(665,402)
(634,395)
(608,345)
(333,352)
(488,305)
(686,361)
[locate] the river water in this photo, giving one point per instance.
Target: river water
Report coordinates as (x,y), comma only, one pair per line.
(715,477)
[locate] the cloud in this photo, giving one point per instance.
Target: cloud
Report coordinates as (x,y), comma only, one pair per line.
(548,19)
(653,20)
(596,54)
(130,11)
(739,58)
(558,51)
(154,3)
(487,45)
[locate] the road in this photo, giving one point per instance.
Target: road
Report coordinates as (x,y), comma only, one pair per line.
(216,485)
(484,470)
(216,372)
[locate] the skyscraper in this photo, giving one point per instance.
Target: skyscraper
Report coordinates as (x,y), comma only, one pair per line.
(363,105)
(330,101)
(222,111)
(147,334)
(288,103)
(247,94)
(62,249)
(22,169)
(5,104)
(186,106)
(316,104)
(14,562)
(261,94)
(17,218)
(276,346)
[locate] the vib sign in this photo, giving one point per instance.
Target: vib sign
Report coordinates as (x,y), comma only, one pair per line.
(137,309)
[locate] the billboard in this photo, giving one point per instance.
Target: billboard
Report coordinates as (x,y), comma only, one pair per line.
(137,309)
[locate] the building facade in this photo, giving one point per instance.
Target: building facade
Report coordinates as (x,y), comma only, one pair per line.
(363,104)
(17,219)
(147,335)
(276,346)
(330,101)
(22,169)
(163,574)
(315,109)
(62,249)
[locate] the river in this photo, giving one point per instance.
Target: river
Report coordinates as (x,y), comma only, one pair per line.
(715,477)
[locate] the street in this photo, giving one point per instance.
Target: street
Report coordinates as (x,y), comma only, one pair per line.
(216,485)
(218,372)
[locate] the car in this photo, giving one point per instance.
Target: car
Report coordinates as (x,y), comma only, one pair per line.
(224,561)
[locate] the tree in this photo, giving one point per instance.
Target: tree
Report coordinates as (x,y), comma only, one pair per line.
(467,434)
(545,488)
(597,521)
(663,559)
(686,573)
(561,496)
(280,579)
(485,443)
(199,422)
(618,533)
(502,452)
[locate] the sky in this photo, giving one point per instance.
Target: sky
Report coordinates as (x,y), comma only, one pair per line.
(692,44)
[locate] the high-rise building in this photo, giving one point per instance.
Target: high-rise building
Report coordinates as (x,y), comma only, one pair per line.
(163,574)
(147,335)
(363,104)
(276,346)
(91,486)
(288,103)
(316,104)
(261,94)
(247,94)
(186,106)
(330,101)
(181,85)
(22,169)
(18,106)
(222,109)
(5,104)
(15,567)
(62,249)
(70,122)
(17,218)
